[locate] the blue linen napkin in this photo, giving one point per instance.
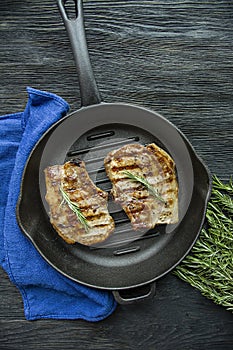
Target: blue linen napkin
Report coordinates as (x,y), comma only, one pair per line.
(46,293)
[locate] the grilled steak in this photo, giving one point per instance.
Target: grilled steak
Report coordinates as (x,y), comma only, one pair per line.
(158,169)
(73,180)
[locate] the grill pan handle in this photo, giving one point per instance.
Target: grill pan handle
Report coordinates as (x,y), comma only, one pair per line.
(132,295)
(76,33)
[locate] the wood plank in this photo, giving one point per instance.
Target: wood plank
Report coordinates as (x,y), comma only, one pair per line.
(174,57)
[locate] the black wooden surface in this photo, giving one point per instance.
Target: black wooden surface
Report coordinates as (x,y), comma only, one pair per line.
(174,57)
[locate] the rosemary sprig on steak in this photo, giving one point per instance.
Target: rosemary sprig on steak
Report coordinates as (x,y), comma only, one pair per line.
(144,184)
(73,206)
(78,209)
(143,181)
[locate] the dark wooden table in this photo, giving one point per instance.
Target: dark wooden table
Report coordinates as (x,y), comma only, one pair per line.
(174,57)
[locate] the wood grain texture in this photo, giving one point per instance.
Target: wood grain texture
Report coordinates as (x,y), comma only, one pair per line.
(174,57)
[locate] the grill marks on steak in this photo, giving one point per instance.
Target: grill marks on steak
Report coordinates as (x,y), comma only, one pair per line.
(91,200)
(144,210)
(154,164)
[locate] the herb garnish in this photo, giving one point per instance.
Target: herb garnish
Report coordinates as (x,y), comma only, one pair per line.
(209,266)
(143,181)
(74,207)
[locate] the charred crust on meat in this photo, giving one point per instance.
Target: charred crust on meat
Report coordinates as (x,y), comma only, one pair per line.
(76,161)
(91,200)
(154,164)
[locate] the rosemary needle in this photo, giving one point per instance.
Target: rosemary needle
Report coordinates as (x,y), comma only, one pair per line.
(143,181)
(74,207)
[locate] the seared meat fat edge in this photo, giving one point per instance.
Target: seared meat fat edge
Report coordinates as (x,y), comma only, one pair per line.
(72,179)
(153,164)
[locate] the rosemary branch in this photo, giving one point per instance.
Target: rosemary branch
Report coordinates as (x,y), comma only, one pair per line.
(209,266)
(74,207)
(143,181)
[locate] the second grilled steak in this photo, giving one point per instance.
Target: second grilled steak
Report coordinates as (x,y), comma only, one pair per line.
(158,169)
(73,180)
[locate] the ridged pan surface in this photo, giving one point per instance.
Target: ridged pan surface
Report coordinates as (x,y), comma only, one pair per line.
(127,258)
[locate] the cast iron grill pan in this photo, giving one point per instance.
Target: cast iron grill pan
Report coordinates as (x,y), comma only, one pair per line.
(118,264)
(128,259)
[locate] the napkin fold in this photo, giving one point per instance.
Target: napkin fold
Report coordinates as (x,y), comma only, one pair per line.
(46,293)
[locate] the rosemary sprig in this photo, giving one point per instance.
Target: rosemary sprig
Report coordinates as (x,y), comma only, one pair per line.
(143,181)
(73,206)
(226,187)
(209,266)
